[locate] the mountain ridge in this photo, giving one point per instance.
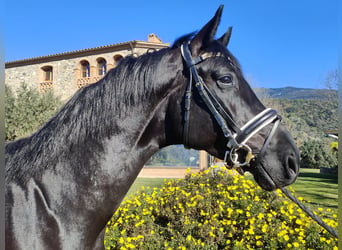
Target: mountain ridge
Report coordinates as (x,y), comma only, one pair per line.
(293,93)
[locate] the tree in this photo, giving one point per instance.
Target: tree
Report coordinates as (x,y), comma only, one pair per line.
(314,154)
(27,111)
(330,82)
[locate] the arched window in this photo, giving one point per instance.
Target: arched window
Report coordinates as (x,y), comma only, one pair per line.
(47,73)
(117,58)
(85,69)
(101,66)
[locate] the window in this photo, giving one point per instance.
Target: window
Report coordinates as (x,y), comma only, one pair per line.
(47,73)
(46,79)
(85,69)
(117,58)
(101,66)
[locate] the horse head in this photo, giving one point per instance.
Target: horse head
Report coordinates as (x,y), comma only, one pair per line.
(219,112)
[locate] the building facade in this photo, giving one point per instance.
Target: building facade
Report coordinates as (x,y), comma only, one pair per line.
(65,73)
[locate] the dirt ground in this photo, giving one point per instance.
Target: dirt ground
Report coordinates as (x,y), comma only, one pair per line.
(163,172)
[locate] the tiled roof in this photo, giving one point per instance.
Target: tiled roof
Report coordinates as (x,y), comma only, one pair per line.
(88,51)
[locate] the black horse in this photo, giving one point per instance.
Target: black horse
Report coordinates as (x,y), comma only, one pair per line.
(65,182)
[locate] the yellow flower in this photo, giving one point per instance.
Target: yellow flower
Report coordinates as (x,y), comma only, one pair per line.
(299,222)
(230,211)
(259,243)
(239,211)
(130,246)
(260,216)
(212,234)
(264,228)
(121,240)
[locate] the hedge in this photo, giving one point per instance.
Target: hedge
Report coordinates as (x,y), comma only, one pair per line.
(208,210)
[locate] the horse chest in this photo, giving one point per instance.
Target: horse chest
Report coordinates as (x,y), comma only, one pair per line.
(35,225)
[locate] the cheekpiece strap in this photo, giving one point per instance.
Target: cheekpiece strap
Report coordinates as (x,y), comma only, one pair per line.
(212,104)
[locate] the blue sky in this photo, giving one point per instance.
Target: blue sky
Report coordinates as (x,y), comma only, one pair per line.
(278,43)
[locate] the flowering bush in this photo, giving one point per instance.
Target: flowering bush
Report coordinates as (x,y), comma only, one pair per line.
(208,210)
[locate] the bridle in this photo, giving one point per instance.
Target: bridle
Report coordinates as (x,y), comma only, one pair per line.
(236,137)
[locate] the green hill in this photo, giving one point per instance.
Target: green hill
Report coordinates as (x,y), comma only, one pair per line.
(306,112)
(293,93)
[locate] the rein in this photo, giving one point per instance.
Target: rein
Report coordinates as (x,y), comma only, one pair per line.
(236,137)
(319,221)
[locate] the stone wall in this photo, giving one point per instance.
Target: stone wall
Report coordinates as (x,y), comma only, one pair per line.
(63,83)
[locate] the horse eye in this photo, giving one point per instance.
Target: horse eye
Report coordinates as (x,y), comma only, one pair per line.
(226,80)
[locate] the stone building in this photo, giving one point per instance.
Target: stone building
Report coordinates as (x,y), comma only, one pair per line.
(66,72)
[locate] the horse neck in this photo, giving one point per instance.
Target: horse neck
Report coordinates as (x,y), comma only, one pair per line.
(105,152)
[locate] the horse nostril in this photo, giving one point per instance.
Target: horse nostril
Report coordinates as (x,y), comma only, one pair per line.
(292,167)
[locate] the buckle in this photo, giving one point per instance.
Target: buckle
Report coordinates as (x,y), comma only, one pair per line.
(233,155)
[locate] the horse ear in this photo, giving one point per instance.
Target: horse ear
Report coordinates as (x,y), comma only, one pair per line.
(206,34)
(226,37)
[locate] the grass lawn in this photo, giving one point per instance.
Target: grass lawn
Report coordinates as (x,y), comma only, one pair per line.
(145,182)
(320,189)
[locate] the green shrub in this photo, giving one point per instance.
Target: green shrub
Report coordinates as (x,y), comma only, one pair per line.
(26,111)
(213,211)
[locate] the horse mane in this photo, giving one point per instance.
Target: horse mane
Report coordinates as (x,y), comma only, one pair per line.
(134,80)
(91,114)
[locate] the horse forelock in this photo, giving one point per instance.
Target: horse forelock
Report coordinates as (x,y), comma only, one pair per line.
(179,41)
(214,46)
